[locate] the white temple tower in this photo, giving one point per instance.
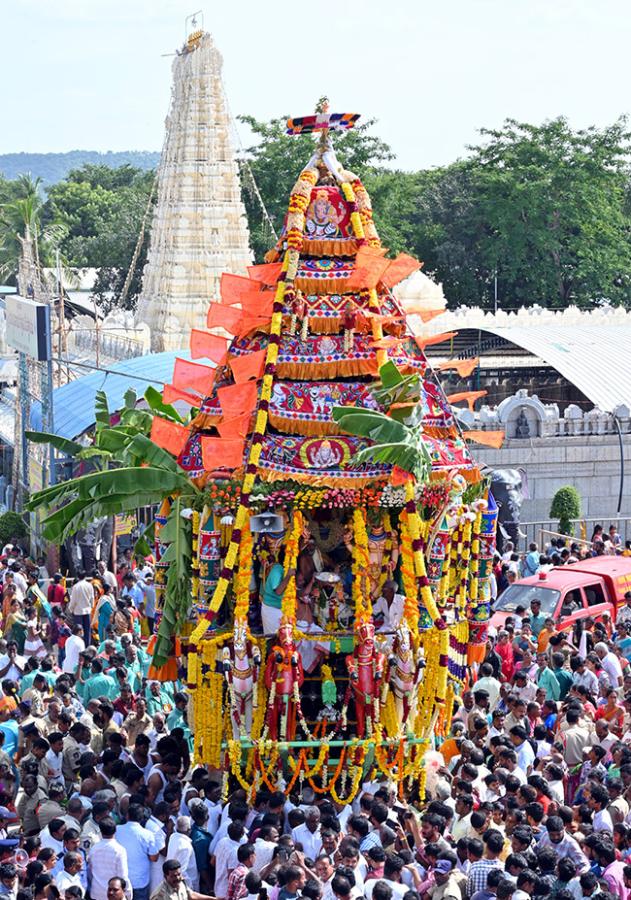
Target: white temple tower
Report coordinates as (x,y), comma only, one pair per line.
(199,226)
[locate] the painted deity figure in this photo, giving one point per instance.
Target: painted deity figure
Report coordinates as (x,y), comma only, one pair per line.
(404,672)
(283,678)
(322,219)
(366,667)
(241,661)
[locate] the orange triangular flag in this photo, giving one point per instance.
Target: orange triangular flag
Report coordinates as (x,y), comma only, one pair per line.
(169,435)
(258,303)
(464,367)
(399,268)
(423,342)
(469,396)
(369,267)
(235,428)
(488,438)
(192,376)
(250,323)
(386,343)
(171,394)
(219,453)
(428,315)
(266,274)
(220,316)
(211,346)
(249,366)
(233,287)
(237,399)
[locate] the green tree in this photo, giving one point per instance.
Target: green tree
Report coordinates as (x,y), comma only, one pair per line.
(22,210)
(103,210)
(566,505)
(550,213)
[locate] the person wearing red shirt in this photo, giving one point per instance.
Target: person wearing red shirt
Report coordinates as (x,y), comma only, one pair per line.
(56,590)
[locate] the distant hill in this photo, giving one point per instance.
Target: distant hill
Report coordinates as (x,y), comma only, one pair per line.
(53,167)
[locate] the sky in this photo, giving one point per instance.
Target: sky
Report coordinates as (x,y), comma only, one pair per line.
(95,74)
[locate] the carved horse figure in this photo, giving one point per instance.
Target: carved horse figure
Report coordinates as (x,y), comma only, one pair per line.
(366,668)
(241,660)
(403,672)
(283,678)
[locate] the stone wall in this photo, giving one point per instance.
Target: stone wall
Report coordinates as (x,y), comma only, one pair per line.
(590,463)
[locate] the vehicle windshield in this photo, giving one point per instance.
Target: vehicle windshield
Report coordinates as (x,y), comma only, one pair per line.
(523,594)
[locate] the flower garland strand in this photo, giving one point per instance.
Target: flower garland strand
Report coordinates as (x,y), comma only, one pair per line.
(295,228)
(360,569)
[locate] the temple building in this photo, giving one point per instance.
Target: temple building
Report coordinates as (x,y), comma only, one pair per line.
(199,226)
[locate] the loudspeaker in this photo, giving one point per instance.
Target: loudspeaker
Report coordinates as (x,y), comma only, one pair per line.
(267,522)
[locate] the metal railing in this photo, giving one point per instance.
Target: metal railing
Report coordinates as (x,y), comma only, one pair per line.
(540,532)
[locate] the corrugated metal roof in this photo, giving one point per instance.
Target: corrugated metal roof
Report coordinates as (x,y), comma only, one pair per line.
(73,403)
(594,358)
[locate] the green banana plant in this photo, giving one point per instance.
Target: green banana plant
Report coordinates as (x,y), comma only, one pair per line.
(132,472)
(397,437)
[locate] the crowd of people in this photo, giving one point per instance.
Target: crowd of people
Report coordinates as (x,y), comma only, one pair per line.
(528,796)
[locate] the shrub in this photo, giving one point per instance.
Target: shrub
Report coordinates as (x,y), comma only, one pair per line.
(566,505)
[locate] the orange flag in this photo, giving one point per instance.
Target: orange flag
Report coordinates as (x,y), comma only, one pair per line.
(211,346)
(488,438)
(434,339)
(386,343)
(192,376)
(169,435)
(469,396)
(219,453)
(249,366)
(220,316)
(464,367)
(266,274)
(258,303)
(428,315)
(249,323)
(234,286)
(369,267)
(235,428)
(171,394)
(399,268)
(237,399)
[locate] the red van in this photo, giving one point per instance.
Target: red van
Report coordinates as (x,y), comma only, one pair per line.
(569,593)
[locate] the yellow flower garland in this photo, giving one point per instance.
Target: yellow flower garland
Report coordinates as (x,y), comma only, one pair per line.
(292,548)
(360,568)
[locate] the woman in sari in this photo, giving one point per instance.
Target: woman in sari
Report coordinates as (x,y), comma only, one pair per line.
(104,611)
(16,624)
(611,711)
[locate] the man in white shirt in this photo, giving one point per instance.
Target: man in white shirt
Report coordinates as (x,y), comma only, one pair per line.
(525,753)
(610,664)
(70,876)
(11,664)
(264,847)
(308,834)
(488,683)
(107,576)
(388,608)
(142,847)
(107,859)
(80,603)
(53,835)
(75,645)
(181,848)
(225,855)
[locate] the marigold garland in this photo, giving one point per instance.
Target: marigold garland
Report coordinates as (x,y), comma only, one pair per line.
(361,568)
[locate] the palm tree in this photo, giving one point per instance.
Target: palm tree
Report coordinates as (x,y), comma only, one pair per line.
(21,216)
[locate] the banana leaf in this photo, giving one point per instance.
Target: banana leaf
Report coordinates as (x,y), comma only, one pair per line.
(74,516)
(369,423)
(157,404)
(101,410)
(177,596)
(70,448)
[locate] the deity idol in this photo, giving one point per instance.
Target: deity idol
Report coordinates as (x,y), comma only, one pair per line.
(366,667)
(241,661)
(283,678)
(322,219)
